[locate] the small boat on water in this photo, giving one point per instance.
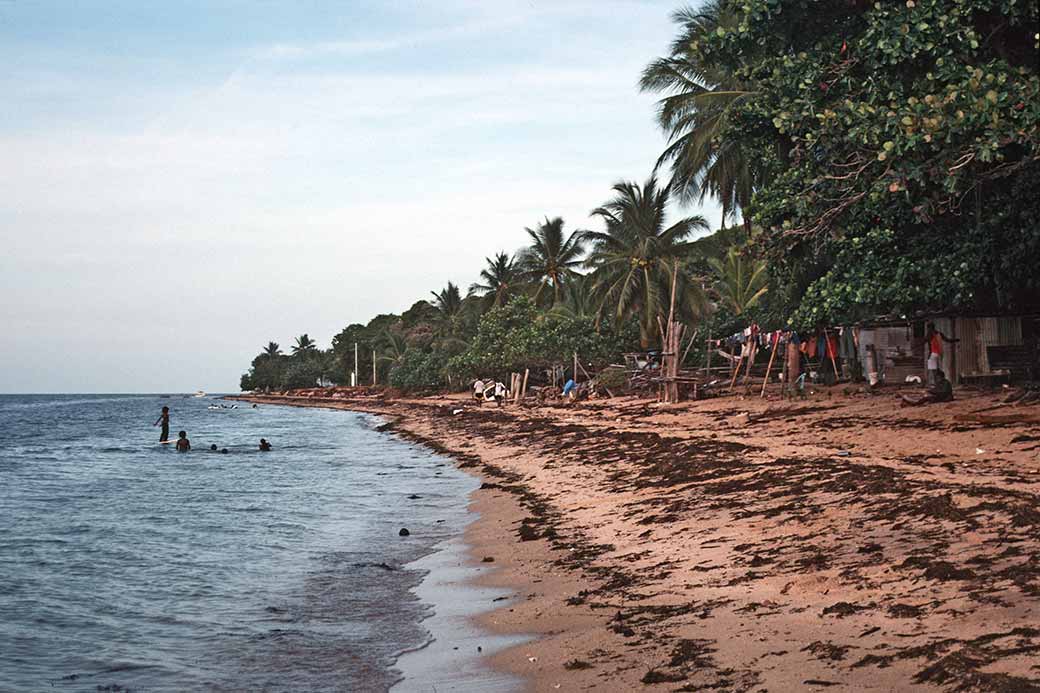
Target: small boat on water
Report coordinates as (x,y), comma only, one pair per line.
(199,394)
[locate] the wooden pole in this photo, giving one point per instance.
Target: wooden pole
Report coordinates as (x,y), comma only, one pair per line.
(752,353)
(707,364)
(736,369)
(670,360)
(689,344)
(373,366)
(769,368)
(575,378)
(357,373)
(523,388)
(827,348)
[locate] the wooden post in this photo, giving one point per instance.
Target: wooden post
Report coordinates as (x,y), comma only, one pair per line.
(671,342)
(736,368)
(575,376)
(373,366)
(357,373)
(689,344)
(769,368)
(707,365)
(752,353)
(523,388)
(827,348)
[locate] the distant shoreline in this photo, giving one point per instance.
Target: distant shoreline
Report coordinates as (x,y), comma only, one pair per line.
(749,544)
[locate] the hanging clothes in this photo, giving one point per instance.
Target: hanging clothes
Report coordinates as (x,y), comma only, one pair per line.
(832,346)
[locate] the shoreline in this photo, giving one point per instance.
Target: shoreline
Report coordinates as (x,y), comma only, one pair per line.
(747,544)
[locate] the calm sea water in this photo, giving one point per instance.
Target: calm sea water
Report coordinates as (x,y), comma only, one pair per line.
(124,564)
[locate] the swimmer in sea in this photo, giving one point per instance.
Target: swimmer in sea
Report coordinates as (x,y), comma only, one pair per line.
(264,446)
(183,444)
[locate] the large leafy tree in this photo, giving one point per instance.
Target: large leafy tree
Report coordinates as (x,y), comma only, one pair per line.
(552,258)
(902,141)
(707,157)
(634,259)
(499,281)
(518,335)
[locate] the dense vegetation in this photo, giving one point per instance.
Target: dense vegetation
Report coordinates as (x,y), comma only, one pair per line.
(886,150)
(883,157)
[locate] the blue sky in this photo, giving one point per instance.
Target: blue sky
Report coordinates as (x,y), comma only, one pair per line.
(182,182)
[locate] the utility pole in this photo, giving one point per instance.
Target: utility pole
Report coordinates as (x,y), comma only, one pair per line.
(357,375)
(373,366)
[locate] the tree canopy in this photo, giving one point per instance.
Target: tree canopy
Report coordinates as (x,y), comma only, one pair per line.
(894,138)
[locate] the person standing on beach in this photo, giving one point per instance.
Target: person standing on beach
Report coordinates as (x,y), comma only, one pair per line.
(164,418)
(933,338)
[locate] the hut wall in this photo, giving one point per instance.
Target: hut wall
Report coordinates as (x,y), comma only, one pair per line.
(978,333)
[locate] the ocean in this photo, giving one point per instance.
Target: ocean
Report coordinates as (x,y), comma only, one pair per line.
(125,565)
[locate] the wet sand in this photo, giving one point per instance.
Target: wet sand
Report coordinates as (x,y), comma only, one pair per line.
(453,659)
(745,544)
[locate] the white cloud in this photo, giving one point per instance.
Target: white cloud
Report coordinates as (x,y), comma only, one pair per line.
(279,200)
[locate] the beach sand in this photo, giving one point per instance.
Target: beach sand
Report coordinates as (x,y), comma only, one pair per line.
(745,544)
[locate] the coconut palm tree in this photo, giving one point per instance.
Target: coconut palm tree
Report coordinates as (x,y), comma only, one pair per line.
(578,299)
(740,282)
(392,344)
(272,350)
(705,159)
(447,311)
(633,260)
(304,345)
(502,279)
(551,259)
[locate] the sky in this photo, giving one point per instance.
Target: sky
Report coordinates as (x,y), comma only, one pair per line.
(181,183)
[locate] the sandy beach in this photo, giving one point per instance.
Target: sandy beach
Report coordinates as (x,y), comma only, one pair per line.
(745,544)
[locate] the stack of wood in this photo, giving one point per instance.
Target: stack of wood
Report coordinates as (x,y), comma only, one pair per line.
(671,337)
(518,385)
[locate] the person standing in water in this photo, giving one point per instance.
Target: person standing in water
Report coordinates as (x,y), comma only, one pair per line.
(264,446)
(164,418)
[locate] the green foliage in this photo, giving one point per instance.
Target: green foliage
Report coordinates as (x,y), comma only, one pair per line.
(500,280)
(417,370)
(707,157)
(266,372)
(900,145)
(302,373)
(635,259)
(551,260)
(740,281)
(304,345)
(518,336)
